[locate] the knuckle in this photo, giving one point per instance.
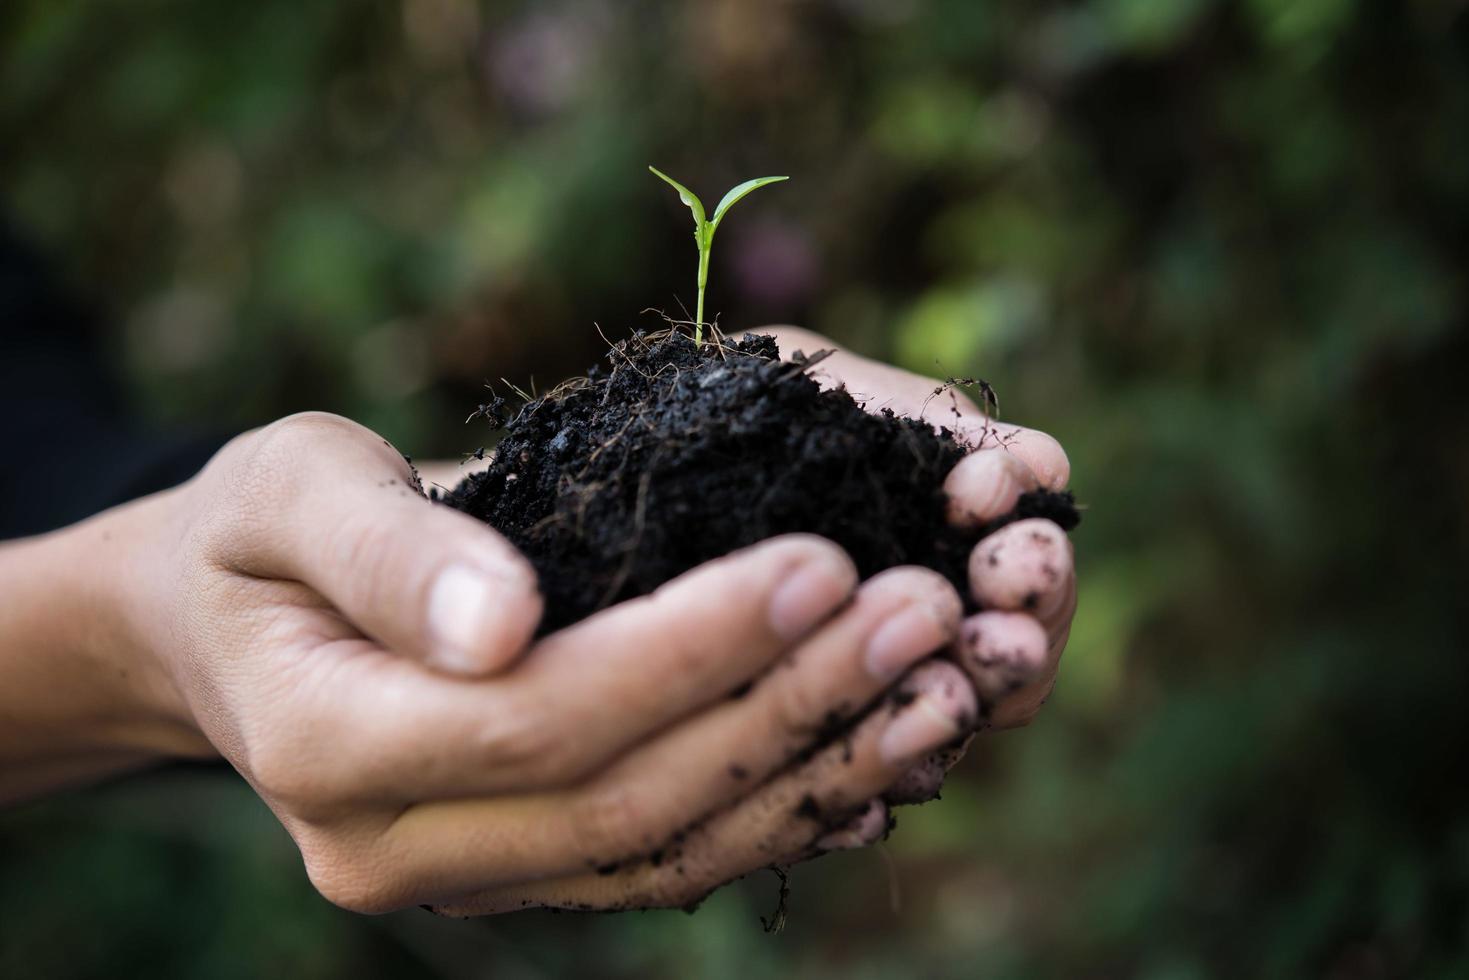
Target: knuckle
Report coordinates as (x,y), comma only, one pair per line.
(513,742)
(699,871)
(913,581)
(283,775)
(947,688)
(282,755)
(257,475)
(685,654)
(935,675)
(305,430)
(559,763)
(679,891)
(799,707)
(682,654)
(349,883)
(308,759)
(918,584)
(369,549)
(277,451)
(613,821)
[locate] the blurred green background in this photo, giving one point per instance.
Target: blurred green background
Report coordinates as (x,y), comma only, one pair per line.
(1219,249)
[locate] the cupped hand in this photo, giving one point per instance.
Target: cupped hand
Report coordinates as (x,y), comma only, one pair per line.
(361,657)
(1022,577)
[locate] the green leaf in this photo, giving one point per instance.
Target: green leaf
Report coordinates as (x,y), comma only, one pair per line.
(688,197)
(735,193)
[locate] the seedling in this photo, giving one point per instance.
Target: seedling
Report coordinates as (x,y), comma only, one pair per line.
(704,230)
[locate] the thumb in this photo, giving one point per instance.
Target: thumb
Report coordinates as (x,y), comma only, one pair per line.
(424,581)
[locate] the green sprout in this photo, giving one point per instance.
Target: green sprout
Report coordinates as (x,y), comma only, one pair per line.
(704,230)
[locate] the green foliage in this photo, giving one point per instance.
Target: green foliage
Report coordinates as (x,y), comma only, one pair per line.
(1217,249)
(704,230)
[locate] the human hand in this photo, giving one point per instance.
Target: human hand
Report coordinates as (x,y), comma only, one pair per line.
(1023,578)
(359,655)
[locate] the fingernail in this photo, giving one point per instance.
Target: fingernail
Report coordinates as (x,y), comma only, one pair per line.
(984,485)
(810,593)
(458,604)
(921,728)
(1003,652)
(906,636)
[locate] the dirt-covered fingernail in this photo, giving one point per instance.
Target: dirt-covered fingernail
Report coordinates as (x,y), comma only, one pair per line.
(942,707)
(910,634)
(922,727)
(471,622)
(1002,651)
(812,590)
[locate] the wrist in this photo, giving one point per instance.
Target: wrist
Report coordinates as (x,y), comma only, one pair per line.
(82,692)
(130,594)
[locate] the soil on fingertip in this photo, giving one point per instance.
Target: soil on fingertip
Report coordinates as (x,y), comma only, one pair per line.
(672,454)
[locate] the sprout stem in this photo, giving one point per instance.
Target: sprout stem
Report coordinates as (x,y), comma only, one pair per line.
(699,309)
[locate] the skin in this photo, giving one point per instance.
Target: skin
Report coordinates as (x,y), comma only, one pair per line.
(364,660)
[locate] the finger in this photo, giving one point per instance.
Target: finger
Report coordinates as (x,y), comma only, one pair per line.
(635,668)
(1036,449)
(1002,652)
(1012,658)
(878,386)
(1012,661)
(872,823)
(919,784)
(1025,565)
(1059,622)
(868,826)
(330,504)
(387,732)
(782,820)
(985,485)
(643,800)
(1021,707)
(923,781)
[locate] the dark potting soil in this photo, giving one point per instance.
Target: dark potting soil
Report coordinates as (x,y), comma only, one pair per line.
(673,454)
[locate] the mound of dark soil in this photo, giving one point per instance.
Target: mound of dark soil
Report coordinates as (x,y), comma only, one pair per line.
(675,454)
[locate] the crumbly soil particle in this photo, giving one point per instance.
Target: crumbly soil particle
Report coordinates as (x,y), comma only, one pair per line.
(673,454)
